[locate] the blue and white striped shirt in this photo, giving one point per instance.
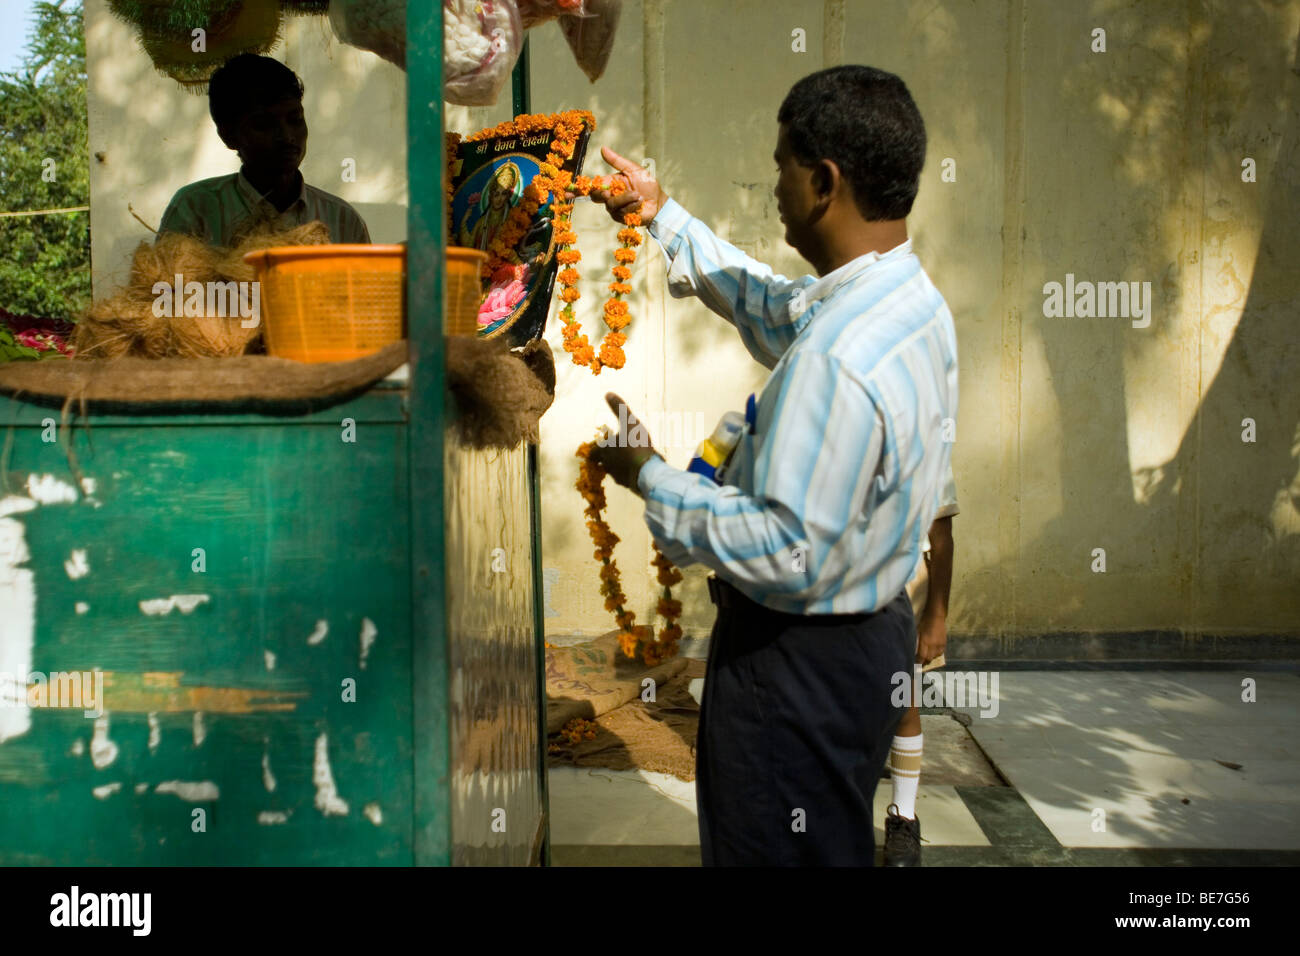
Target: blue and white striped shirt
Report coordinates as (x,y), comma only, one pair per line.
(826,502)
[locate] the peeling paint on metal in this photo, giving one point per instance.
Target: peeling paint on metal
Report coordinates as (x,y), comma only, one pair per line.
(328,801)
(374,814)
(318,635)
(106,791)
(200,729)
(82,607)
(368,634)
(269,818)
(18,599)
(50,490)
(184,602)
(161,692)
(102,750)
(77,566)
(155,732)
(268,778)
(200,791)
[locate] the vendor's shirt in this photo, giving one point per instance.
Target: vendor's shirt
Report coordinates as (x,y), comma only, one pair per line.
(830,493)
(213,209)
(918,589)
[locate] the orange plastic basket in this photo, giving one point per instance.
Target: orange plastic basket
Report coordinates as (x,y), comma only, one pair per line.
(330,303)
(464,289)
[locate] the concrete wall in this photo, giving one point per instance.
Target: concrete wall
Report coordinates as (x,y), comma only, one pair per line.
(1074,434)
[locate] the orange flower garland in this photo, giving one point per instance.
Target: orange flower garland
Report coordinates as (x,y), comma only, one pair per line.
(590,484)
(553,181)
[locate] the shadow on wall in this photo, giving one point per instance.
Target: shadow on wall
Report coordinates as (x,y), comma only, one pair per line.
(1125,155)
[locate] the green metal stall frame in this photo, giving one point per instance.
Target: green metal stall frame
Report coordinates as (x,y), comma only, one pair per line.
(232,743)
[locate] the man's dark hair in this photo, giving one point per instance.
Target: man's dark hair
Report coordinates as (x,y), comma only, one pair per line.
(865,121)
(246,81)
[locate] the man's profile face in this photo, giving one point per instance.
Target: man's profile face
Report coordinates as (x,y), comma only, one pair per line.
(794,193)
(271,137)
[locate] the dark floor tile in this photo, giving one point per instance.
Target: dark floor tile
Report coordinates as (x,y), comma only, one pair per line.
(1005,817)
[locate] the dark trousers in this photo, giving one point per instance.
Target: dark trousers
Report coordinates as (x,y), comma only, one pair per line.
(795,728)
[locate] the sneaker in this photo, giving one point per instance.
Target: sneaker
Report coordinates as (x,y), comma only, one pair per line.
(902,839)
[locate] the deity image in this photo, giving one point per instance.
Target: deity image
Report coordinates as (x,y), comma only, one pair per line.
(493,207)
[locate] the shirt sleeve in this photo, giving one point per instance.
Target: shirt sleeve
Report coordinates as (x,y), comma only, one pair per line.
(810,489)
(948,497)
(742,290)
(182,217)
(352,227)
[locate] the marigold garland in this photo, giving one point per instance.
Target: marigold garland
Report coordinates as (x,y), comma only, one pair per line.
(553,181)
(590,485)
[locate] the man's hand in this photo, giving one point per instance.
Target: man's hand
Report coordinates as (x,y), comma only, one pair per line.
(623,453)
(642,188)
(932,638)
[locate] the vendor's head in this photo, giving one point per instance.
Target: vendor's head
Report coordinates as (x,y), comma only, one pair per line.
(850,147)
(256,103)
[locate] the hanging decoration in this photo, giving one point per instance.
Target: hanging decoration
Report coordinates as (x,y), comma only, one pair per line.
(508,186)
(658,649)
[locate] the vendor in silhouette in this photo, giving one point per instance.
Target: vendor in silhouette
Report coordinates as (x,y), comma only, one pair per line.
(256,102)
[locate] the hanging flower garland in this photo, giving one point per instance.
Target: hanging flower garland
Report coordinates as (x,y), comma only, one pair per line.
(553,183)
(590,484)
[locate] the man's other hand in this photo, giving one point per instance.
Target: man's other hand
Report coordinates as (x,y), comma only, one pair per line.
(642,189)
(623,453)
(932,638)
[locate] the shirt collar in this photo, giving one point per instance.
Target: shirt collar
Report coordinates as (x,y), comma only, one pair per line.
(255,198)
(833,280)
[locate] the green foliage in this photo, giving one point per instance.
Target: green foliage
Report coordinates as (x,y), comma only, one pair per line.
(11,350)
(45,260)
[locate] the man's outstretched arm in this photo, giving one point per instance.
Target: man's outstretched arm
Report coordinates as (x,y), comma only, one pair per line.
(737,287)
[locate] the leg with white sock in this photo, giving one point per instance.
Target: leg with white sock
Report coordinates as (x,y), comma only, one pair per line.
(902,828)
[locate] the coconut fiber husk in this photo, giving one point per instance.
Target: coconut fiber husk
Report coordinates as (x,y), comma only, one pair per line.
(657,735)
(500,395)
(124,324)
(242,383)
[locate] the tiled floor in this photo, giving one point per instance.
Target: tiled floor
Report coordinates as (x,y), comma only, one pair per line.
(1105,768)
(637,818)
(1142,759)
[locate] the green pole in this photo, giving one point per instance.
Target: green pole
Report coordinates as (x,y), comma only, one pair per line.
(425,255)
(522,101)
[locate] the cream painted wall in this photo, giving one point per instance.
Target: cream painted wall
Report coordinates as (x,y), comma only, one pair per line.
(1073,434)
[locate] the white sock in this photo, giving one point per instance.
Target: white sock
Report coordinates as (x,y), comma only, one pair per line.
(905,772)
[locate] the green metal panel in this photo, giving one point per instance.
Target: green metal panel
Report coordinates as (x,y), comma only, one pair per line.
(300,558)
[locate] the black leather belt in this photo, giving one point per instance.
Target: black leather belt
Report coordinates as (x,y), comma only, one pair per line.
(725,595)
(728,597)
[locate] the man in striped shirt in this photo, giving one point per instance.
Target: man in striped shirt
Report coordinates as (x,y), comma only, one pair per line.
(817,519)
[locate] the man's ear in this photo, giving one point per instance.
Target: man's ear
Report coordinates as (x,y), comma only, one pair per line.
(826,178)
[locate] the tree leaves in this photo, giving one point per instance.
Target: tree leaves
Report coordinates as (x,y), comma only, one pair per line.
(45,260)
